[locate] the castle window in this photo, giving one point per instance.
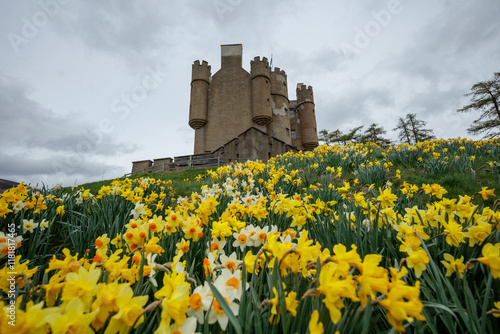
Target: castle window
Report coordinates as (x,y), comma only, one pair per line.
(267,101)
(293,134)
(269,155)
(284,86)
(287,131)
(292,113)
(267,82)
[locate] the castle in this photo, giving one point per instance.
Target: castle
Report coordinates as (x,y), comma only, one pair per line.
(240,116)
(249,115)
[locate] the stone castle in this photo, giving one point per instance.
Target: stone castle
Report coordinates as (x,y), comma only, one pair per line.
(240,116)
(248,115)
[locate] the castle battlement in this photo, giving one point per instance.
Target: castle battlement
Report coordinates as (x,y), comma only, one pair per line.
(279,71)
(203,63)
(257,59)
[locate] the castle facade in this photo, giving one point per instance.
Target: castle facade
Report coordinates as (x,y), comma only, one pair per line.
(241,115)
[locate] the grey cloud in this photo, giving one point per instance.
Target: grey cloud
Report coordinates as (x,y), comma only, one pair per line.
(40,145)
(33,170)
(348,108)
(33,126)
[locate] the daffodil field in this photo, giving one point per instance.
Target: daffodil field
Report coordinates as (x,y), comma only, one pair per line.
(335,240)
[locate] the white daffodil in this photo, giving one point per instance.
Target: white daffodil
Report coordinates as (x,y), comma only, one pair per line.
(230,281)
(18,206)
(259,236)
(138,210)
(242,239)
(195,302)
(44,224)
(216,247)
(151,262)
(29,225)
(187,327)
(216,313)
(231,262)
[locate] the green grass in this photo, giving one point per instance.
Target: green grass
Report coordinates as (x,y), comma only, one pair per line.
(183,182)
(455,183)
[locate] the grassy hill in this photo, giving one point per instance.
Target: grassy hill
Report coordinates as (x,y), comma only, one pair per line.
(355,239)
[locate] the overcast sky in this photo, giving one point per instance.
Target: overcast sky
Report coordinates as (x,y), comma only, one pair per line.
(87,87)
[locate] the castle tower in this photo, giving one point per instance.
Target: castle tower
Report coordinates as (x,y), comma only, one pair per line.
(247,114)
(307,117)
(229,100)
(280,127)
(198,108)
(261,91)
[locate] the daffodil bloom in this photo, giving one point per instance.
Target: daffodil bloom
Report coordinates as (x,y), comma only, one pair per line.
(221,229)
(102,241)
(105,303)
(373,278)
(196,304)
(129,310)
(496,311)
(485,192)
(216,313)
(22,274)
(335,288)
(344,190)
(242,239)
(403,303)
(252,264)
(453,265)
(478,233)
(290,305)
(386,198)
(182,246)
(29,225)
(491,258)
(72,318)
(192,229)
(187,327)
(231,262)
(30,321)
(315,326)
(453,231)
(175,307)
(417,259)
(82,285)
(18,206)
(60,210)
(138,210)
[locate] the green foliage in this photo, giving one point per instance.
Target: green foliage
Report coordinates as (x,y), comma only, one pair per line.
(485,97)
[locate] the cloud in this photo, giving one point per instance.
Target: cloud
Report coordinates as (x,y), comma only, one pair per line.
(49,170)
(36,140)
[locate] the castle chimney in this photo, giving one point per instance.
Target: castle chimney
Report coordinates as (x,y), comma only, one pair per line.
(231,55)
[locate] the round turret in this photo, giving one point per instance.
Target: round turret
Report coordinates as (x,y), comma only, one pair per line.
(199,94)
(280,128)
(307,116)
(261,91)
(279,83)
